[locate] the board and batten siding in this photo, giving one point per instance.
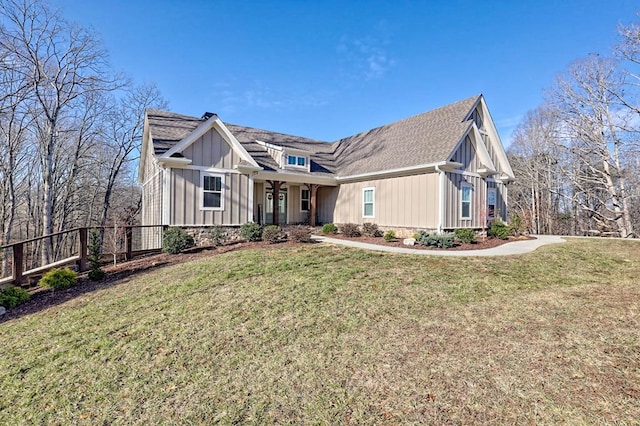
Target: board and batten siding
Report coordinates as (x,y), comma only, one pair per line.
(408,201)
(212,150)
(186,200)
(326,198)
(152,194)
(453,206)
(466,154)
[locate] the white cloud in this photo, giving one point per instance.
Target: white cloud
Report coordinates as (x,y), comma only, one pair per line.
(258,96)
(365,57)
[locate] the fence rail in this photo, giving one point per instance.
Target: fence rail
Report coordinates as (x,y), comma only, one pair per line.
(33,257)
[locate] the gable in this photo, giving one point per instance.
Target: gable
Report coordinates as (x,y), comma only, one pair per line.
(211,150)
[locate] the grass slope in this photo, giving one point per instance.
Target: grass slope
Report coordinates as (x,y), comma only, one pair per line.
(336,335)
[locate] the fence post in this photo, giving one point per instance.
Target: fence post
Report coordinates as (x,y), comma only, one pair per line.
(18,263)
(83,249)
(128,232)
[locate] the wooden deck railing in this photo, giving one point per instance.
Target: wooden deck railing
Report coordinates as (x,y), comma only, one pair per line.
(24,259)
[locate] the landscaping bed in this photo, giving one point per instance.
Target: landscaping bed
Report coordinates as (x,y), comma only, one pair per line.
(482,242)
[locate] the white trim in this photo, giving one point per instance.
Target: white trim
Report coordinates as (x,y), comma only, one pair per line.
(166,196)
(494,137)
(283,148)
(481,149)
(373,202)
(250,200)
(463,185)
(212,170)
(212,123)
(308,199)
(465,173)
(222,191)
(429,167)
(174,161)
(294,178)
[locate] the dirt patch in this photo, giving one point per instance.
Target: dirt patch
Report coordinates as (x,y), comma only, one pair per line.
(482,243)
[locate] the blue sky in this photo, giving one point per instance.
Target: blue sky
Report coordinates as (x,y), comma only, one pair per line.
(330,69)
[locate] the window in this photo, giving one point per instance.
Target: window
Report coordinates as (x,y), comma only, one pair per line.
(211,192)
(368,197)
(491,202)
(295,160)
(465,201)
(304,200)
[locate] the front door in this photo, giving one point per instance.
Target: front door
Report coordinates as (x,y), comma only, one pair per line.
(282,207)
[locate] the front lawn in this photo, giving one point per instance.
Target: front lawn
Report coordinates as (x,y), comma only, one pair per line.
(330,335)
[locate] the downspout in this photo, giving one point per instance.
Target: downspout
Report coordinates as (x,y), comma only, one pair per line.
(441,199)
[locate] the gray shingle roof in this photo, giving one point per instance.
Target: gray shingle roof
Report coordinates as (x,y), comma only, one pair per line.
(425,138)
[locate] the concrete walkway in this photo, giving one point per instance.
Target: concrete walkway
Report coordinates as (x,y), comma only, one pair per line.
(508,249)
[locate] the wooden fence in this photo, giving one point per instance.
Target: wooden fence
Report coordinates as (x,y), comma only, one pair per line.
(24,259)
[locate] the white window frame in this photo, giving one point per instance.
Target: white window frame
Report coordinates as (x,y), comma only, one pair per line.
(373,202)
(202,191)
(297,158)
(462,186)
(302,199)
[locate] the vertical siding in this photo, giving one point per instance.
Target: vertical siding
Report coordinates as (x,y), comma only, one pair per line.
(276,154)
(453,184)
(409,201)
(186,198)
(152,194)
(326,199)
(467,155)
(211,150)
(294,214)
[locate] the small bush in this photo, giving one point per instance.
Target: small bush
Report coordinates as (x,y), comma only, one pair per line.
(516,224)
(251,231)
(371,230)
(218,235)
(271,234)
(445,240)
(12,296)
(329,228)
(301,234)
(95,247)
(59,279)
(389,236)
(175,240)
(350,230)
(500,230)
(466,236)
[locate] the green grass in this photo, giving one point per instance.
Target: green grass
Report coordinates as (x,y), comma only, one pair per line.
(330,335)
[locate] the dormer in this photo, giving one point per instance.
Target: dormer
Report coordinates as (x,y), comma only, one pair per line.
(288,158)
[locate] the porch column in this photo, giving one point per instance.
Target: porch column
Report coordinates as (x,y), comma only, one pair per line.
(313,189)
(275,185)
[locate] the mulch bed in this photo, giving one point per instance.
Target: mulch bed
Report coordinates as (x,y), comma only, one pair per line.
(482,243)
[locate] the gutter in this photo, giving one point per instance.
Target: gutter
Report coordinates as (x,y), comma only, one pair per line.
(441,198)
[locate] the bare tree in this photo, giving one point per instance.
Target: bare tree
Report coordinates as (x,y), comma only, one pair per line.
(595,135)
(63,63)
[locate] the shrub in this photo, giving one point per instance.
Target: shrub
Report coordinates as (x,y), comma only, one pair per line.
(516,224)
(175,240)
(218,235)
(59,279)
(445,240)
(371,230)
(12,296)
(95,247)
(350,230)
(301,234)
(329,228)
(500,230)
(389,236)
(251,231)
(271,234)
(466,236)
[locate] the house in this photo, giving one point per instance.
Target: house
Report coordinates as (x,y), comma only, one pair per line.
(439,170)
